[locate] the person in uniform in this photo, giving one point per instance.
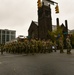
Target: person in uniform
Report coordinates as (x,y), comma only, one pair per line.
(61,45)
(27,46)
(48,46)
(2,46)
(40,46)
(55,46)
(51,43)
(68,44)
(32,46)
(43,46)
(36,45)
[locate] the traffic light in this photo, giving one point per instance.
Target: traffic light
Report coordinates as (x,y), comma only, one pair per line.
(39,3)
(57,9)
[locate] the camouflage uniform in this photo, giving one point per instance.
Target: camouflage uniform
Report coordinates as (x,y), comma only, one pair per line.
(39,46)
(27,46)
(1,49)
(48,47)
(32,46)
(55,46)
(51,43)
(61,45)
(36,46)
(43,46)
(68,43)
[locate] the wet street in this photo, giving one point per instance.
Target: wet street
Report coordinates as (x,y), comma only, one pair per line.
(39,64)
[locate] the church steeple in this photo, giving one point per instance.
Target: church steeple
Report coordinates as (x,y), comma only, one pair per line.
(44,20)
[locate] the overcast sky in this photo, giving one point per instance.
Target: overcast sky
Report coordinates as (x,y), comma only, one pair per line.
(18,14)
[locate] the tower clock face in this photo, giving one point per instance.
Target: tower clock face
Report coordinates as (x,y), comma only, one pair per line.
(45,2)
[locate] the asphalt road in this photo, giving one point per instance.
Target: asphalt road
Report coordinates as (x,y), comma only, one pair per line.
(38,64)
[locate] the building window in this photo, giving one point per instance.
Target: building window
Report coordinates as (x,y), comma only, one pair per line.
(3,32)
(3,39)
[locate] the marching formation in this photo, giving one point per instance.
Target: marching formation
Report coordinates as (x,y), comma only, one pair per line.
(29,46)
(36,46)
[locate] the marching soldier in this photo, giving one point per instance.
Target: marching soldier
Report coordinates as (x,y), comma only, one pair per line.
(68,43)
(1,49)
(36,45)
(27,46)
(55,46)
(48,46)
(61,44)
(43,46)
(51,43)
(39,46)
(32,46)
